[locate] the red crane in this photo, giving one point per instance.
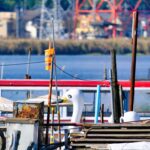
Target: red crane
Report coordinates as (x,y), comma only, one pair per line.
(110,10)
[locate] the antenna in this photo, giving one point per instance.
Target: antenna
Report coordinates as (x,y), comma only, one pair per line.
(47,14)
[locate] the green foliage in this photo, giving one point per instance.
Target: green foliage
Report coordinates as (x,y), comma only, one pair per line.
(10,5)
(7,5)
(49,4)
(30,3)
(64,4)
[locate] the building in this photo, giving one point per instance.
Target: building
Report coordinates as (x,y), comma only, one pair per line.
(7,24)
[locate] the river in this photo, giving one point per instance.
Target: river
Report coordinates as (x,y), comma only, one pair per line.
(85,67)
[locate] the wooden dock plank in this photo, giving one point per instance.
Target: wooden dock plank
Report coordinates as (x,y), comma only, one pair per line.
(120,125)
(118,135)
(110,133)
(95,146)
(110,140)
(116,130)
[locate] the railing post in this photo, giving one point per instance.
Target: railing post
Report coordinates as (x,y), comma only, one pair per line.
(97,104)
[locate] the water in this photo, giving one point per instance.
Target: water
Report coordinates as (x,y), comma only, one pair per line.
(85,67)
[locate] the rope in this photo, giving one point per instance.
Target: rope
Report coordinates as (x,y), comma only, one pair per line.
(58,67)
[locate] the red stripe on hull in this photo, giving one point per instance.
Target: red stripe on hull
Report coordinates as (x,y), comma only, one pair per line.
(71,83)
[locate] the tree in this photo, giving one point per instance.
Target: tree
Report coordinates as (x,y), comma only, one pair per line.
(64,4)
(10,5)
(7,5)
(49,3)
(31,3)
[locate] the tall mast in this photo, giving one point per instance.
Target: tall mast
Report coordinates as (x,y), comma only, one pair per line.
(42,19)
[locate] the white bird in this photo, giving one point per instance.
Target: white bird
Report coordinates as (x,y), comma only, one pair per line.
(76,97)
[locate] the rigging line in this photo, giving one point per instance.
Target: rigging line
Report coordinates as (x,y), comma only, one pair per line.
(68,73)
(72,76)
(16,64)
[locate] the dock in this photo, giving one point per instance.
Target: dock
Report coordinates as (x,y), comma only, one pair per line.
(100,136)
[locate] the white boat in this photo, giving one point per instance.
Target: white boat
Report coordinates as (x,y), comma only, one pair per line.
(19,89)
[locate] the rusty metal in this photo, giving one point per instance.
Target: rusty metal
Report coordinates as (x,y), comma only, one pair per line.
(115,7)
(133,65)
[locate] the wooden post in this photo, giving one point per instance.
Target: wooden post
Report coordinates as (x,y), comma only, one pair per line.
(59,128)
(52,127)
(105,73)
(121,100)
(115,89)
(102,113)
(133,65)
(112,96)
(49,99)
(27,76)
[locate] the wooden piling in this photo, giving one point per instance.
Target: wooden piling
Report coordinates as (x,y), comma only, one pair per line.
(102,113)
(115,89)
(121,101)
(133,65)
(105,72)
(27,76)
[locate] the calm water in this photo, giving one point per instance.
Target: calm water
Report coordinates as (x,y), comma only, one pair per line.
(80,66)
(84,67)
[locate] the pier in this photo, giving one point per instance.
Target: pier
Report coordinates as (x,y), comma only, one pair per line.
(100,136)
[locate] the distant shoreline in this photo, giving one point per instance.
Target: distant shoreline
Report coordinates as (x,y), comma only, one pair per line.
(74,47)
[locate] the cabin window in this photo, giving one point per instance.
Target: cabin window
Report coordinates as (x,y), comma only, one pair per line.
(89,103)
(142,102)
(15,94)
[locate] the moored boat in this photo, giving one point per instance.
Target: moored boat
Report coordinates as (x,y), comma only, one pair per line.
(21,89)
